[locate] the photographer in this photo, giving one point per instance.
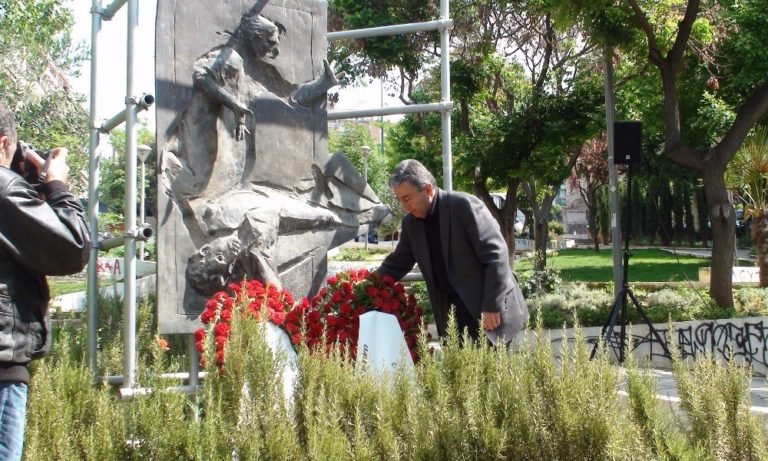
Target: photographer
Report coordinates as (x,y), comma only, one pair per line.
(37,238)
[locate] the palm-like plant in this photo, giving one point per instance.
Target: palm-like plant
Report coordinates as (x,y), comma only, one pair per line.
(748,173)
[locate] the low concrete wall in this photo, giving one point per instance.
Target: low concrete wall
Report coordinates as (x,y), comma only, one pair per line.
(745,338)
(76,302)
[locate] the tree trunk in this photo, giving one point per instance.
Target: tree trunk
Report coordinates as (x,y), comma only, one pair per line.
(541,238)
(665,213)
(506,215)
(638,209)
(541,213)
(594,230)
(652,210)
(723,220)
(760,237)
(678,211)
(705,233)
(604,215)
(690,233)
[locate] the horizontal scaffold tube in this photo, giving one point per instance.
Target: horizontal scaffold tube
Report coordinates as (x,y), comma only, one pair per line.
(409,109)
(391,30)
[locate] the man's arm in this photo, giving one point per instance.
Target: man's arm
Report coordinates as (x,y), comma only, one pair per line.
(48,237)
(401,261)
(491,249)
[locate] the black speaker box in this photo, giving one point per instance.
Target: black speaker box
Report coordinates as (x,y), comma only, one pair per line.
(627,142)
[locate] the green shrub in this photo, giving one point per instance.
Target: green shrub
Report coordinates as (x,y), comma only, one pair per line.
(556,228)
(592,305)
(750,302)
(360,254)
(536,283)
(419,290)
(461,402)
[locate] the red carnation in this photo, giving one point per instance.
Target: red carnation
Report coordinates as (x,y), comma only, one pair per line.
(337,307)
(221,329)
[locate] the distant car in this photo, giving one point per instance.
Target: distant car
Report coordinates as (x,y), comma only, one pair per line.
(373,237)
(740,223)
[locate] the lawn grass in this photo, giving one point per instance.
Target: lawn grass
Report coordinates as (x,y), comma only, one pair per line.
(64,285)
(645,265)
(360,254)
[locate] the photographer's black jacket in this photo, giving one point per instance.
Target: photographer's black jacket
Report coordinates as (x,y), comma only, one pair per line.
(37,238)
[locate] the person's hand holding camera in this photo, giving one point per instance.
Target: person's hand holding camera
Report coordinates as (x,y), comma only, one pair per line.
(53,168)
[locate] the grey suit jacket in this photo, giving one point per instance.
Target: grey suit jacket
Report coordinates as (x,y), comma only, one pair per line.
(477,263)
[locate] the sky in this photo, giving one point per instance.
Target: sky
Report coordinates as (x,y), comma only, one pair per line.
(111,81)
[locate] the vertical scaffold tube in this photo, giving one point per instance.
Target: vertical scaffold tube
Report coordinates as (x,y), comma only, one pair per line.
(129,269)
(93,196)
(445,96)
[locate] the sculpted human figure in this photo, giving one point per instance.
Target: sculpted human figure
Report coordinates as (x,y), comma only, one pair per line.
(244,225)
(207,153)
(234,220)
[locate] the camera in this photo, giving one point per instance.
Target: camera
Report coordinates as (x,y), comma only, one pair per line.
(26,169)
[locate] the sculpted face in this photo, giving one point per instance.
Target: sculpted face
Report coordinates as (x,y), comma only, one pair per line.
(271,40)
(415,201)
(264,37)
(209,268)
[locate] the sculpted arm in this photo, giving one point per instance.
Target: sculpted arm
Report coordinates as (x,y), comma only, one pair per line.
(310,92)
(218,73)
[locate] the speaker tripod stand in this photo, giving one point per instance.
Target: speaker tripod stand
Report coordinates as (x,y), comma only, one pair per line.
(619,307)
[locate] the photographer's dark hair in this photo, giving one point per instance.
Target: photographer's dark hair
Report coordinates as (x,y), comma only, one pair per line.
(7,123)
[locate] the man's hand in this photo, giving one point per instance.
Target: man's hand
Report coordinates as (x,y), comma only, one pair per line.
(490,320)
(54,168)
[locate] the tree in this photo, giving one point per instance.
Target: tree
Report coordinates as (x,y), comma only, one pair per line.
(748,174)
(522,92)
(36,59)
(715,49)
(589,175)
(112,181)
(349,139)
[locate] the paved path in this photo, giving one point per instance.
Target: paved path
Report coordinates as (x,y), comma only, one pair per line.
(742,255)
(667,391)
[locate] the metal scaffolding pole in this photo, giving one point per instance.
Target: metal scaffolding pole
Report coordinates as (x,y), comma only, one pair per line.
(445,106)
(613,176)
(377,111)
(445,96)
(129,269)
(93,194)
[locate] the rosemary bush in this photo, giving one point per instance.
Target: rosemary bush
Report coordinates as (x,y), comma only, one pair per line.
(462,402)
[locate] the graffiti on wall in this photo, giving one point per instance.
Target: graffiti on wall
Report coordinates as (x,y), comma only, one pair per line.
(745,340)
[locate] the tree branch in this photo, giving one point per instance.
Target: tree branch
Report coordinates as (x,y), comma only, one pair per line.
(683,32)
(748,114)
(654,54)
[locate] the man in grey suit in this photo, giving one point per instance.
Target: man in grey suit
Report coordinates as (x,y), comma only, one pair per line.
(461,253)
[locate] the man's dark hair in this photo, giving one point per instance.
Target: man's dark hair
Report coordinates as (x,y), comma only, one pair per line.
(7,123)
(413,172)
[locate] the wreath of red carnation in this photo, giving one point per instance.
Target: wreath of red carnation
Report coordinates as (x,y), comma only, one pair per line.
(332,317)
(247,298)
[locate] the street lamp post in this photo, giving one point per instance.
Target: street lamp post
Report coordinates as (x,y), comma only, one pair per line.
(142,151)
(365,151)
